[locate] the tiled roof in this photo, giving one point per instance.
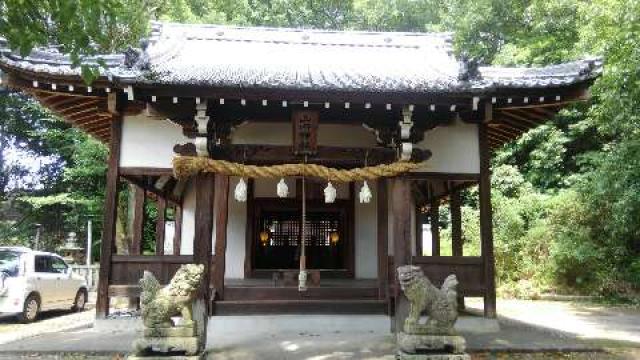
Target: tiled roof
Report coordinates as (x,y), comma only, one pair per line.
(270,58)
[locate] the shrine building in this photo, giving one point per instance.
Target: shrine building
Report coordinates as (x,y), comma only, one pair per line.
(379,130)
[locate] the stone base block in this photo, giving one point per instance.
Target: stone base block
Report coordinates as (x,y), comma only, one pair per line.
(431,344)
(156,346)
(166,357)
(176,331)
(404,356)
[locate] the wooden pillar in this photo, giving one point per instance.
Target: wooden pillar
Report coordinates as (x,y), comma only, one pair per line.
(249,230)
(456,232)
(161,220)
(456,223)
(434,212)
(177,238)
(383,235)
(486,224)
(205,191)
(419,216)
(400,198)
(138,221)
(110,207)
(221,204)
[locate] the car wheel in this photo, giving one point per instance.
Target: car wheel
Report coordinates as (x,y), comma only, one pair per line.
(30,309)
(80,301)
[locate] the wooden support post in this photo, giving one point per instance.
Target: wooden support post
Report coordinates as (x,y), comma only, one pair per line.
(221,204)
(486,225)
(419,216)
(161,224)
(138,221)
(435,225)
(456,232)
(177,237)
(249,231)
(110,207)
(205,191)
(383,235)
(400,198)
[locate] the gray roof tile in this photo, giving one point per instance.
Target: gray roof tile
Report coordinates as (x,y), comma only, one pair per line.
(272,58)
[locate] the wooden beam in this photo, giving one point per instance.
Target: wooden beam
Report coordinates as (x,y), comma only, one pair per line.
(400,198)
(138,221)
(419,218)
(205,192)
(221,204)
(531,114)
(283,154)
(161,221)
(177,238)
(486,226)
(382,238)
(524,119)
(109,221)
(250,229)
(83,104)
(435,225)
(456,232)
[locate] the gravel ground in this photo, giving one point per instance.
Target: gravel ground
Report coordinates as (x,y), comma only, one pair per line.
(617,354)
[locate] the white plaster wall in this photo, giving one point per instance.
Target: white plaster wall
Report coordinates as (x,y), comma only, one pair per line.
(454,149)
(366,248)
(236,230)
(263,133)
(148,141)
(345,135)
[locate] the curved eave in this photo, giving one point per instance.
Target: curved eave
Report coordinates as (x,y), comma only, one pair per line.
(515,109)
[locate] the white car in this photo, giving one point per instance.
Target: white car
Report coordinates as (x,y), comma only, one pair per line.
(33,281)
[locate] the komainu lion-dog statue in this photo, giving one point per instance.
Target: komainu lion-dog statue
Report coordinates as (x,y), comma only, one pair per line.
(159,304)
(440,305)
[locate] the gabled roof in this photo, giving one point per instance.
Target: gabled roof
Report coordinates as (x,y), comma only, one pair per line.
(298,59)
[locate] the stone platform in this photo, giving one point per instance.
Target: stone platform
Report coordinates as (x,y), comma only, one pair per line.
(431,347)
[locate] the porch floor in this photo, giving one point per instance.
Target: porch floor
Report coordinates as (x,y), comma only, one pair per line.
(328,282)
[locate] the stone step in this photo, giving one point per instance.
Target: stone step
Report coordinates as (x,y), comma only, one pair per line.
(292,293)
(255,307)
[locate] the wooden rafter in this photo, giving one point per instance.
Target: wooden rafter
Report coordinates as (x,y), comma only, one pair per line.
(520,118)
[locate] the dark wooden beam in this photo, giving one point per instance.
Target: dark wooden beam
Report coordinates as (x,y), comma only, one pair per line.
(250,229)
(524,119)
(281,154)
(205,192)
(456,232)
(161,220)
(221,204)
(382,238)
(434,212)
(177,239)
(486,226)
(138,221)
(110,209)
(419,217)
(402,252)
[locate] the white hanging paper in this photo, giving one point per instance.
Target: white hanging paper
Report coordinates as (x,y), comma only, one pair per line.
(365,194)
(330,193)
(282,189)
(240,192)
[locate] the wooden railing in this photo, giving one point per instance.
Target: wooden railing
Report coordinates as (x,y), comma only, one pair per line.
(127,270)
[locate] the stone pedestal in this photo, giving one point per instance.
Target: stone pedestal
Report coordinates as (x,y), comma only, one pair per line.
(431,347)
(168,343)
